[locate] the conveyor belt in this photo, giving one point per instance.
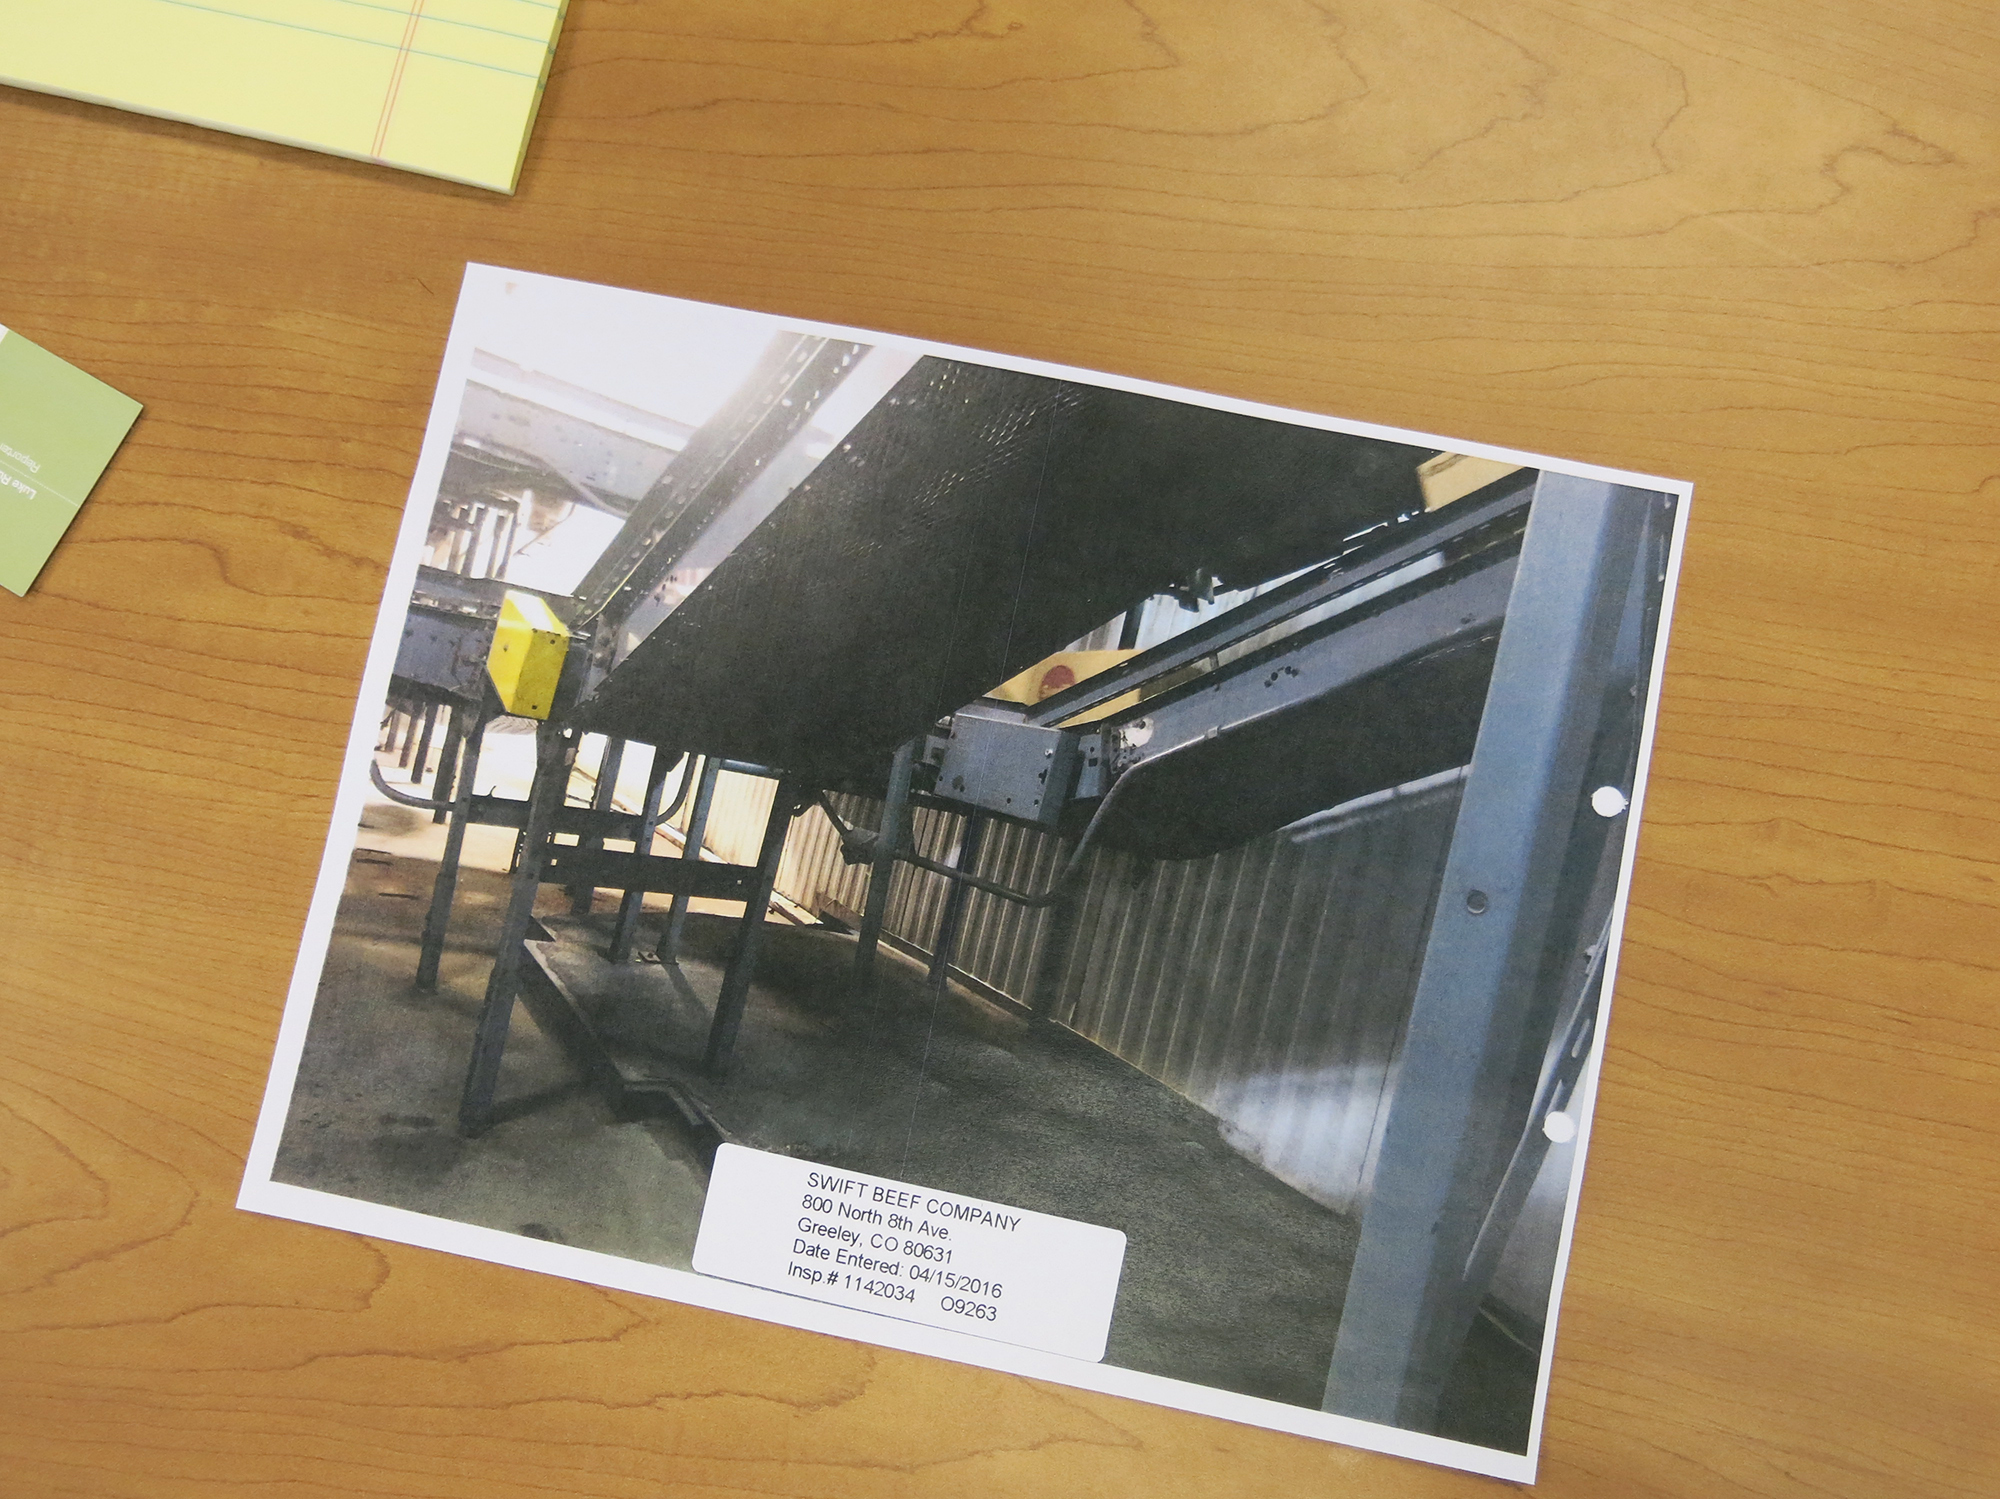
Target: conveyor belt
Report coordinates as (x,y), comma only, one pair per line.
(1413,720)
(973,522)
(1390,692)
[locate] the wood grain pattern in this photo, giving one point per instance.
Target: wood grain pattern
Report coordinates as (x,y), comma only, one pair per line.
(1733,240)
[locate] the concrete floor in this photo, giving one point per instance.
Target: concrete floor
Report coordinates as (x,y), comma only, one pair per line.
(1232,1279)
(374,1111)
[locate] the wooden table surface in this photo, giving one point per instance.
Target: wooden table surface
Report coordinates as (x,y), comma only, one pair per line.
(1751,243)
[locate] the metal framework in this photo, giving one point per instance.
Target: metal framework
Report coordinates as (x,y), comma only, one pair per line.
(517,973)
(1369,561)
(1541,597)
(1508,993)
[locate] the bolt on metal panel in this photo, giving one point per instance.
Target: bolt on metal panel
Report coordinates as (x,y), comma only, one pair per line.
(996,761)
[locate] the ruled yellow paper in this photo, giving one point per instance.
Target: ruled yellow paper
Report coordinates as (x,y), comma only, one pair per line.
(446,87)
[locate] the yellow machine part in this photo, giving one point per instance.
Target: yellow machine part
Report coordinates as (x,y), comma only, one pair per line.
(1453,476)
(1052,674)
(526,657)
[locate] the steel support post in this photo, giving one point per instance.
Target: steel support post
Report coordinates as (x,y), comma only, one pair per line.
(1484,1008)
(455,560)
(554,752)
(1058,936)
(1596,857)
(735,992)
(445,787)
(445,887)
(697,830)
(421,763)
(952,920)
(609,763)
(649,822)
(895,810)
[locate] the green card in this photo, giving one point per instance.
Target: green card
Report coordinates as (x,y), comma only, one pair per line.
(58,430)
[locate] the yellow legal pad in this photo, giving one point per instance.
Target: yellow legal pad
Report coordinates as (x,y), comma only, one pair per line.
(447,87)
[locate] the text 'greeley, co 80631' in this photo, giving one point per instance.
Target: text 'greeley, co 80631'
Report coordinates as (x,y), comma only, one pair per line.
(906,1251)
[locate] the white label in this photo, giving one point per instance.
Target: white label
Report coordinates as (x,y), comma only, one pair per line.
(906,1251)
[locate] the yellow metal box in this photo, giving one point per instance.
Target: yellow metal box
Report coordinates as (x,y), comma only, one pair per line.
(526,657)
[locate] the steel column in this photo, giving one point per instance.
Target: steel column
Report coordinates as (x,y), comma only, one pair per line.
(649,821)
(697,830)
(1560,1072)
(422,761)
(446,886)
(1058,936)
(882,865)
(554,753)
(735,992)
(609,763)
(1483,1011)
(1128,626)
(1596,855)
(952,918)
(444,788)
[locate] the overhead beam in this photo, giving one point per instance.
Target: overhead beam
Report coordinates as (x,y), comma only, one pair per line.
(1422,617)
(1365,563)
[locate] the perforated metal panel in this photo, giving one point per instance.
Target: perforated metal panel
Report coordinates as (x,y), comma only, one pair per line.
(976,520)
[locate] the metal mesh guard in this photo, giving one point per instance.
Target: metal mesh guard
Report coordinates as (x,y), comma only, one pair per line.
(976,520)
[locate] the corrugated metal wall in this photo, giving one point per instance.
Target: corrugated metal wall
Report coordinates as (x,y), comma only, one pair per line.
(1270,984)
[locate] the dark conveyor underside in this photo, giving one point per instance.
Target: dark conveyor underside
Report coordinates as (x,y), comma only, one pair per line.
(975,521)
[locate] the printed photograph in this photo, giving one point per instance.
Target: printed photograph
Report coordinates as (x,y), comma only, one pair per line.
(1093,879)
